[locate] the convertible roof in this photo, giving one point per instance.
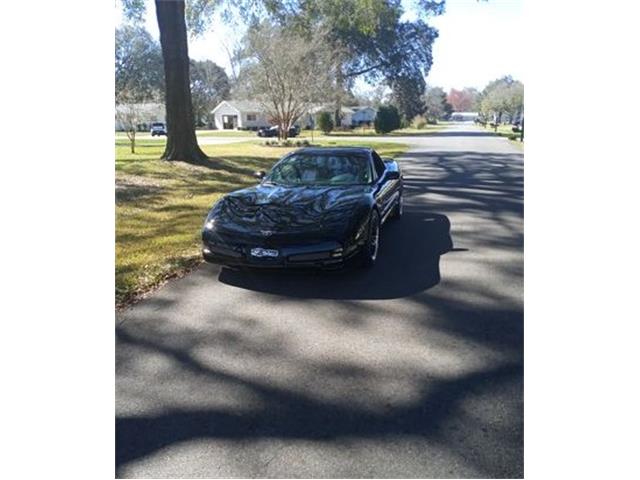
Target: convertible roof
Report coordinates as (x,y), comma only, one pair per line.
(334,150)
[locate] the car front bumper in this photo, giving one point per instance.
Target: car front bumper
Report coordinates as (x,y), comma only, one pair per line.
(324,255)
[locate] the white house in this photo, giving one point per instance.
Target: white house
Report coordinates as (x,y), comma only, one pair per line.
(350,116)
(464,116)
(363,115)
(248,115)
(239,114)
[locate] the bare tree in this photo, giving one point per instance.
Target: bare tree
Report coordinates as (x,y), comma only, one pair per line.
(285,72)
(129,116)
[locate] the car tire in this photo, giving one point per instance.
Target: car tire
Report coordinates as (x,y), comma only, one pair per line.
(398,209)
(369,253)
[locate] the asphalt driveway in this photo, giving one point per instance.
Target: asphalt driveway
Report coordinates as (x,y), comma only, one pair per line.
(411,369)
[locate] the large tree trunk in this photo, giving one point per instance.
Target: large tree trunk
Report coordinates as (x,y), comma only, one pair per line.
(181,135)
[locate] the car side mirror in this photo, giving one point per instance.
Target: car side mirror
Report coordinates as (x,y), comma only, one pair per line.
(260,174)
(392,175)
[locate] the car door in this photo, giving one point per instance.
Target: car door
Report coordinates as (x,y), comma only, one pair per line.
(387,190)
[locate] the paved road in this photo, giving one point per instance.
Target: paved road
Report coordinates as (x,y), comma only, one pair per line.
(413,369)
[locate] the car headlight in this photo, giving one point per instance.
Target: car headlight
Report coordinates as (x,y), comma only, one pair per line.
(210,224)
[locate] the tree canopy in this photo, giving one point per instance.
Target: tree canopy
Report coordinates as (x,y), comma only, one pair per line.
(407,94)
(503,95)
(436,103)
(465,100)
(139,75)
(367,38)
(209,86)
(283,71)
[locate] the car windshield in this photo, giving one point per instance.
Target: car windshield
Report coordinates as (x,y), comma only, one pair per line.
(321,169)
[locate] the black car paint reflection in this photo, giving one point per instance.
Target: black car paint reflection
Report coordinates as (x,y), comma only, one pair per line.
(308,225)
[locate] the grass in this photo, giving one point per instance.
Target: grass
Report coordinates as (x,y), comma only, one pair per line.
(356,132)
(507,132)
(160,206)
(370,132)
(199,133)
(225,133)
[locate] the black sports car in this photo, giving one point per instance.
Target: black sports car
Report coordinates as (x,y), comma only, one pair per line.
(317,207)
(274,131)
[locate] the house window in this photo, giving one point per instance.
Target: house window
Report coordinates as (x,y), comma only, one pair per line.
(251,117)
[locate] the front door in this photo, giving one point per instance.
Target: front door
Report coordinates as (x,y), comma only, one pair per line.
(229,122)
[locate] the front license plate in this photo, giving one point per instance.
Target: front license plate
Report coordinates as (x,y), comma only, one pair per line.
(264,252)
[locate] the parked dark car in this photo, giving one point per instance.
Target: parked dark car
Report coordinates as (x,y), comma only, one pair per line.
(273,131)
(158,128)
(317,207)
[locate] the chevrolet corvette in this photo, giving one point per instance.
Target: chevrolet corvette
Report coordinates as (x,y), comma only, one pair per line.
(317,207)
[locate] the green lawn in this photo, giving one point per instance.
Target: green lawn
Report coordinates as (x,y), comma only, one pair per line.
(370,132)
(225,133)
(160,206)
(356,132)
(200,133)
(507,132)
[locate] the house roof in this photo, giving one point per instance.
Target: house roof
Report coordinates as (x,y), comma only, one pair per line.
(241,105)
(331,108)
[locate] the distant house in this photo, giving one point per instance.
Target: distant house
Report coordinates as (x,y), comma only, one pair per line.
(147,113)
(239,115)
(346,113)
(248,115)
(350,116)
(464,116)
(363,116)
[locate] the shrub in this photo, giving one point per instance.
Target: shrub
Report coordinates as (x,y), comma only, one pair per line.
(387,119)
(306,143)
(419,122)
(325,122)
(298,143)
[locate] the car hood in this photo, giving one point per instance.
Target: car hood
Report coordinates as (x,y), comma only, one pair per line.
(281,209)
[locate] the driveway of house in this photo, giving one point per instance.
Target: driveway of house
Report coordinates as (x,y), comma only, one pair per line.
(411,369)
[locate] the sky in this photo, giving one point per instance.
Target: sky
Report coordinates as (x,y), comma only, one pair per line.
(478,41)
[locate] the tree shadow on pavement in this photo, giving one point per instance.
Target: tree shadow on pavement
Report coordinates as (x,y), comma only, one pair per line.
(293,413)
